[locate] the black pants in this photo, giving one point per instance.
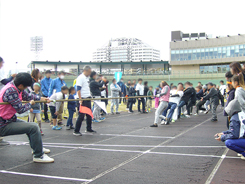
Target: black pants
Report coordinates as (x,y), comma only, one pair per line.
(45,110)
(120,99)
(130,105)
(222,101)
(199,106)
(189,108)
(81,118)
(142,100)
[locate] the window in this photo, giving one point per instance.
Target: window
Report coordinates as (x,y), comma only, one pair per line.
(223,52)
(198,56)
(202,54)
(189,54)
(215,53)
(181,55)
(206,53)
(208,69)
(219,52)
(211,50)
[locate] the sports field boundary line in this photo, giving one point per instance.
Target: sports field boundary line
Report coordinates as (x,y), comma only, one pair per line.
(42,176)
(141,154)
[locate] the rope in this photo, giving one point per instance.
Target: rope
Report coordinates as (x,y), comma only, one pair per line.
(83,99)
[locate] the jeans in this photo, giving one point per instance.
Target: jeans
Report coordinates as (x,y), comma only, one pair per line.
(181,104)
(69,120)
(30,129)
(142,100)
(172,107)
(45,110)
(130,106)
(237,145)
(207,103)
(86,103)
(158,114)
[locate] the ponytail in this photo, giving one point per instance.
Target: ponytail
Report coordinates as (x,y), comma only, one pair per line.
(239,79)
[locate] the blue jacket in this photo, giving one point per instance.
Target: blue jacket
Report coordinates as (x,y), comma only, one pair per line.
(45,83)
(123,87)
(56,85)
(234,129)
(71,105)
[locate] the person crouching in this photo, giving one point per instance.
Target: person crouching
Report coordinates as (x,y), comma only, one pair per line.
(55,106)
(234,138)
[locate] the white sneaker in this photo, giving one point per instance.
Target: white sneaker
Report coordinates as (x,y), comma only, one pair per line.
(195,114)
(45,151)
(43,159)
(242,157)
(163,122)
(127,109)
(201,111)
(188,116)
(239,155)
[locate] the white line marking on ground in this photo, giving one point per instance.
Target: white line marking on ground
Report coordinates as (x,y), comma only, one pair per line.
(44,176)
(140,154)
(211,176)
(141,136)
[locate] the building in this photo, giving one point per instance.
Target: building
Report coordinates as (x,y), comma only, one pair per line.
(199,53)
(126,50)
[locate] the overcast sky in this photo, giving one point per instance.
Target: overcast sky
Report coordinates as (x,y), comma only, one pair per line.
(73,29)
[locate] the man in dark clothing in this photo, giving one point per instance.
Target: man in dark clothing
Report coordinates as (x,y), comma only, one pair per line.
(191,102)
(95,88)
(123,90)
(214,100)
(188,91)
(127,91)
(146,89)
(199,94)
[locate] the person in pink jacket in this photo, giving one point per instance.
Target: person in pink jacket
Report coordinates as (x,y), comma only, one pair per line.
(164,99)
(156,92)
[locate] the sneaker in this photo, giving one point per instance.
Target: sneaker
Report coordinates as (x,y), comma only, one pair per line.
(195,114)
(95,121)
(173,121)
(182,116)
(112,113)
(205,112)
(68,128)
(168,122)
(60,123)
(144,112)
(239,155)
(139,112)
(47,121)
(77,134)
(41,132)
(117,112)
(72,127)
(154,125)
(46,151)
(127,109)
(201,111)
(188,116)
(3,143)
(214,120)
(129,112)
(43,159)
(242,157)
(91,131)
(56,128)
(163,122)
(102,119)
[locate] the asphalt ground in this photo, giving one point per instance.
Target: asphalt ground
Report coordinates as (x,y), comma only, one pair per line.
(126,150)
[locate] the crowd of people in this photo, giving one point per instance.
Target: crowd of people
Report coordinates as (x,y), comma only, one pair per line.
(171,103)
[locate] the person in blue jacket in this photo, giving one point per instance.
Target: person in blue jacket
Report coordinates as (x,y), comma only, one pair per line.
(45,83)
(234,138)
(123,90)
(55,87)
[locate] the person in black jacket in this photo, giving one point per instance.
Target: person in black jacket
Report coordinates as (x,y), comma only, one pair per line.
(199,94)
(188,91)
(191,102)
(214,100)
(96,85)
(131,101)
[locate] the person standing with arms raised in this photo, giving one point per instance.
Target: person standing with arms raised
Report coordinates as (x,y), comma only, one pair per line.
(83,91)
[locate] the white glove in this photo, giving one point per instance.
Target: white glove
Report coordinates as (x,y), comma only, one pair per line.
(158,95)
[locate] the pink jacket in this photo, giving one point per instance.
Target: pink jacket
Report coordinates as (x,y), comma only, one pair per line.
(7,111)
(166,96)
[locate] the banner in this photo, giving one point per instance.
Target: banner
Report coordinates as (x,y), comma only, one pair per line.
(118,76)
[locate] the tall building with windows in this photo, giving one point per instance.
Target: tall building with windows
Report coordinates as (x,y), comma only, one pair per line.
(200,53)
(125,50)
